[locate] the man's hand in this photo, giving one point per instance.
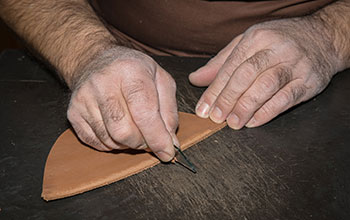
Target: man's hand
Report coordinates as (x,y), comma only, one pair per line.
(270,68)
(121,98)
(130,102)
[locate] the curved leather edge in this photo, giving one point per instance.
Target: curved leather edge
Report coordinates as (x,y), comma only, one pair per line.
(73,168)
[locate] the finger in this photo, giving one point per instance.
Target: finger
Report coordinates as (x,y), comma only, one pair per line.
(263,88)
(267,84)
(292,94)
(94,119)
(243,78)
(235,59)
(86,134)
(142,99)
(166,88)
(206,74)
(119,124)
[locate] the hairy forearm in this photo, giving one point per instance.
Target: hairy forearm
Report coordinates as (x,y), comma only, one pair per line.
(335,20)
(66,33)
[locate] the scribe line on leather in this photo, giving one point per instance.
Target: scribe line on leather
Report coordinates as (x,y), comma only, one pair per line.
(73,168)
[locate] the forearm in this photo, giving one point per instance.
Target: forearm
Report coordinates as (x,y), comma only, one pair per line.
(68,34)
(335,20)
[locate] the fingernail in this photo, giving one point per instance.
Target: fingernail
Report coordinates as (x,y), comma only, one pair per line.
(164,156)
(251,123)
(142,146)
(191,74)
(202,110)
(216,115)
(234,119)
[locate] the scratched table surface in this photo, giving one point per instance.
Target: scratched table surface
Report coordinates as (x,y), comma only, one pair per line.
(295,167)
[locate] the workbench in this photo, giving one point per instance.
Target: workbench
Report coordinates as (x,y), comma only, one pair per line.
(294,167)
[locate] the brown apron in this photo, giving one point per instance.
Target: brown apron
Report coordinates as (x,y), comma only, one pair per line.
(191,27)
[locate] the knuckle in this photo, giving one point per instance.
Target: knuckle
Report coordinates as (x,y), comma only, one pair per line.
(225,75)
(100,131)
(134,86)
(257,32)
(247,74)
(260,60)
(246,104)
(91,141)
(227,98)
(86,138)
(78,96)
(129,65)
(266,111)
(283,75)
(144,118)
(267,83)
(298,92)
(134,91)
(284,98)
(112,110)
(71,115)
(238,53)
(121,134)
(272,82)
(135,65)
(210,95)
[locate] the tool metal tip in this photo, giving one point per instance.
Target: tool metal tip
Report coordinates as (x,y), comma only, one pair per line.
(184,161)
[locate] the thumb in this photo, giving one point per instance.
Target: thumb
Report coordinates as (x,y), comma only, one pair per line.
(207,73)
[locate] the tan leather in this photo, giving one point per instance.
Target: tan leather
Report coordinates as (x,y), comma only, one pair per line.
(72,168)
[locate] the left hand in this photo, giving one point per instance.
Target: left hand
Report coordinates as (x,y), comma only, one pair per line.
(265,71)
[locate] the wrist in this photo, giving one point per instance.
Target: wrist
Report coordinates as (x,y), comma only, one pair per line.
(74,61)
(102,59)
(321,44)
(333,23)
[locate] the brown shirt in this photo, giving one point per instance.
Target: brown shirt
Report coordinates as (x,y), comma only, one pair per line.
(192,27)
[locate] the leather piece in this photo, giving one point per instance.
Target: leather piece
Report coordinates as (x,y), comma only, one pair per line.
(72,167)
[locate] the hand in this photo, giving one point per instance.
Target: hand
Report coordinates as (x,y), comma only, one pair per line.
(270,68)
(128,103)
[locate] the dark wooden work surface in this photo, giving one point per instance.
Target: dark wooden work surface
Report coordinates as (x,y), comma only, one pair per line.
(295,167)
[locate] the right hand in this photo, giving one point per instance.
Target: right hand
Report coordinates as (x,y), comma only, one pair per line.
(129,103)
